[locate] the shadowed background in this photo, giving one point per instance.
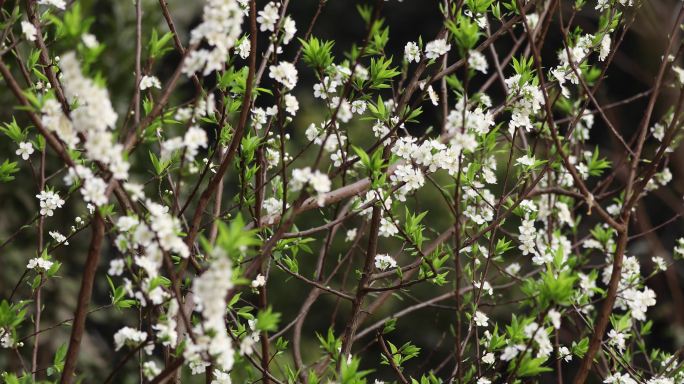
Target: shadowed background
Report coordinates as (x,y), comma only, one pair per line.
(114,25)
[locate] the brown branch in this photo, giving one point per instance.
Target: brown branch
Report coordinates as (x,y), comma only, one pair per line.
(89,272)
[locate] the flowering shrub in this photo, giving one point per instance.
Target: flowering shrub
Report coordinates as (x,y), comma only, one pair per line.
(261,229)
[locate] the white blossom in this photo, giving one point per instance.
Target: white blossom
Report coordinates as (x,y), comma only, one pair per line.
(61,4)
(268,17)
(285,73)
(412,52)
(481,320)
(39,264)
(128,336)
(384,262)
(25,150)
(477,61)
(49,202)
(29,30)
(149,82)
(436,48)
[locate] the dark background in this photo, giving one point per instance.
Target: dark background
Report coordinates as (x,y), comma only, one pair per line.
(632,72)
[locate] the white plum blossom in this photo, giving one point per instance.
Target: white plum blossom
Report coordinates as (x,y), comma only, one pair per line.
(387,228)
(436,48)
(244,48)
(528,102)
(94,191)
(384,262)
(60,4)
(95,113)
(210,291)
(258,281)
(221,28)
(268,17)
(49,202)
(358,106)
(29,30)
(434,98)
(128,336)
(291,104)
(513,269)
(289,29)
(25,150)
(409,179)
(477,61)
(39,264)
(317,180)
(605,47)
(412,52)
(619,378)
(617,339)
(89,40)
(150,370)
(659,263)
(526,161)
(285,73)
(221,377)
(116,267)
(195,138)
(488,358)
(149,82)
(481,320)
(58,237)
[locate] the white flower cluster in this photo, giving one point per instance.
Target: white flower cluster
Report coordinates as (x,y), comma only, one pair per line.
(637,301)
(39,264)
(194,138)
(128,336)
(58,237)
(56,121)
(25,150)
(461,120)
(574,56)
(149,242)
(384,262)
(60,4)
(221,27)
(49,201)
(285,73)
(317,180)
(268,19)
(29,30)
(211,337)
(149,82)
(477,61)
(92,117)
(527,237)
(7,341)
(94,114)
(527,101)
(436,48)
(412,52)
(481,320)
(410,179)
(165,329)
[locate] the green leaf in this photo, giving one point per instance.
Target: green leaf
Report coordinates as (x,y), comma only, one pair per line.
(158,46)
(267,320)
(13,131)
(529,366)
(381,73)
(317,54)
(7,170)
